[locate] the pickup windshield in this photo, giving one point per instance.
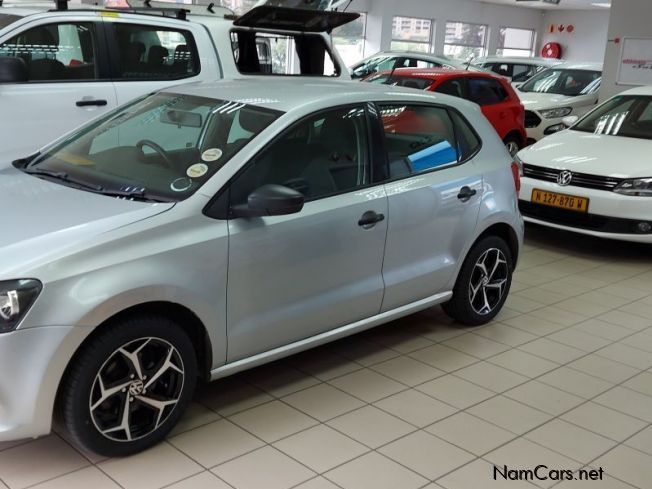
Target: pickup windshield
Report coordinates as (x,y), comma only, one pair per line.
(627,116)
(162,147)
(564,82)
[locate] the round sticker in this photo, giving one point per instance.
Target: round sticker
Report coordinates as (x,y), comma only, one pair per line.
(212,154)
(197,170)
(181,184)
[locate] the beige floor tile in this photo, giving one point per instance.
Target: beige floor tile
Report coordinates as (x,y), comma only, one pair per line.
(626,320)
(603,329)
(626,354)
(506,313)
(408,371)
(37,461)
(317,483)
(606,483)
(80,479)
(444,358)
(522,304)
(505,334)
(373,471)
(371,426)
(604,421)
(551,350)
(575,382)
(204,480)
(415,407)
(603,368)
(479,474)
(323,402)
(490,376)
(5,445)
(642,441)
(628,402)
(394,337)
(470,433)
(272,421)
(230,396)
(509,414)
(475,345)
(321,448)
(364,352)
(265,467)
(554,314)
(602,298)
(195,416)
(570,440)
(154,468)
(642,341)
(542,296)
(367,385)
(455,391)
(529,323)
(579,339)
(628,465)
(279,380)
(523,363)
(641,383)
(544,397)
(324,365)
(639,309)
(216,443)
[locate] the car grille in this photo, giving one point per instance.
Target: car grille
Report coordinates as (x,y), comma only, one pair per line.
(531,119)
(579,179)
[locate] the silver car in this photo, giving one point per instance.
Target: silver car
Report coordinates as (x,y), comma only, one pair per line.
(207,229)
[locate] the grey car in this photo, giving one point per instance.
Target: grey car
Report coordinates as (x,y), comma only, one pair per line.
(210,228)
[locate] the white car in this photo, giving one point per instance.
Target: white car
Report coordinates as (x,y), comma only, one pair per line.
(595,178)
(556,93)
(391,60)
(517,69)
(61,68)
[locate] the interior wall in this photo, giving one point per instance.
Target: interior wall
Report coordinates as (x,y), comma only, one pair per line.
(589,39)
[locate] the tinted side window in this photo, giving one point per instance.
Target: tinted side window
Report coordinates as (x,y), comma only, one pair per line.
(155,53)
(418,139)
(467,140)
(503,69)
(417,63)
(522,72)
(56,52)
(484,91)
(453,87)
(324,155)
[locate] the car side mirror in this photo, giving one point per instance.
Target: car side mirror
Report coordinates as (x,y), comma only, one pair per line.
(270,200)
(13,70)
(570,120)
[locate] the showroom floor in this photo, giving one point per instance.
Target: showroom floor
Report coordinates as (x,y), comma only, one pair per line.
(563,378)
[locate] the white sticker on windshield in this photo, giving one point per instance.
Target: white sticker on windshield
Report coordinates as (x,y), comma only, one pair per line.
(181,184)
(212,154)
(197,170)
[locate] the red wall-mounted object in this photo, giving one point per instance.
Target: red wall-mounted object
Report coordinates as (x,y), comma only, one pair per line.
(552,50)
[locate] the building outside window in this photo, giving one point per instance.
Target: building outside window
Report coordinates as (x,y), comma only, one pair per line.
(349,40)
(515,42)
(465,40)
(411,34)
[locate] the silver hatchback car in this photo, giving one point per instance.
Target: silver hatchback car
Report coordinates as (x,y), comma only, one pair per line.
(206,229)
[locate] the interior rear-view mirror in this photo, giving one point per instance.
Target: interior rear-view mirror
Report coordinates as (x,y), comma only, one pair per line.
(270,200)
(13,70)
(182,118)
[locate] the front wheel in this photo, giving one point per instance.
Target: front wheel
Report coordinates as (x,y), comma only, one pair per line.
(128,386)
(483,283)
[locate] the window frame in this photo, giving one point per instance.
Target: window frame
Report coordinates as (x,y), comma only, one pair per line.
(485,41)
(429,43)
(532,44)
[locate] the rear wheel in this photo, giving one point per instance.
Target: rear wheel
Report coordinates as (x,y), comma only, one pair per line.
(512,144)
(483,283)
(129,386)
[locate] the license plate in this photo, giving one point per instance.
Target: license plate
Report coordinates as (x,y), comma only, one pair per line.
(561,201)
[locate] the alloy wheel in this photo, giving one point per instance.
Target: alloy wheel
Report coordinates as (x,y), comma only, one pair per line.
(512,147)
(488,281)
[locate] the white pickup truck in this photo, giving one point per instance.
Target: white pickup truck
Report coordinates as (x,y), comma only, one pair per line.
(61,67)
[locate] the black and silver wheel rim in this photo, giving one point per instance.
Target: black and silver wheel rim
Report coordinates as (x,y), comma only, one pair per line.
(512,147)
(136,389)
(488,281)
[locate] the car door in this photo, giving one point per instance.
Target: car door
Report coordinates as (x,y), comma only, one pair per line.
(493,99)
(434,192)
(67,82)
(292,277)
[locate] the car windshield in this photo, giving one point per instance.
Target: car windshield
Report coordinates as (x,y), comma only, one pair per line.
(162,147)
(627,116)
(402,81)
(564,82)
(6,19)
(378,63)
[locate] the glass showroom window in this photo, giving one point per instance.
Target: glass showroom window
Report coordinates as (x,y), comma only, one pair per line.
(411,34)
(515,42)
(465,40)
(238,6)
(350,40)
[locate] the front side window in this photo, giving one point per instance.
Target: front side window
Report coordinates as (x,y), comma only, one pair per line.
(418,138)
(564,82)
(324,155)
(163,147)
(627,116)
(155,53)
(464,41)
(411,34)
(485,91)
(56,52)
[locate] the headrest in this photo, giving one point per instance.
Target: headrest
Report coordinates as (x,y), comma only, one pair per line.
(157,55)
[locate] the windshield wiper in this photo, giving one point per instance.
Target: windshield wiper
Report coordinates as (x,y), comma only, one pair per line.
(131,193)
(62,176)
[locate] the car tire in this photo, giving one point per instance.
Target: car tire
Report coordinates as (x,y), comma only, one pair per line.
(481,289)
(513,145)
(128,386)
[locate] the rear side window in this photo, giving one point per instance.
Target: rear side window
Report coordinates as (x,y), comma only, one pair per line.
(258,53)
(417,63)
(56,52)
(453,87)
(522,72)
(418,139)
(154,53)
(468,142)
(6,19)
(485,91)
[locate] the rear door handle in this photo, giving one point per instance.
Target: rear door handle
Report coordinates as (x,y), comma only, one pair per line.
(369,219)
(91,103)
(466,193)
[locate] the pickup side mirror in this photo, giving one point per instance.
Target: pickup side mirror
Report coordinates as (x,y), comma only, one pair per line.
(570,120)
(13,70)
(270,200)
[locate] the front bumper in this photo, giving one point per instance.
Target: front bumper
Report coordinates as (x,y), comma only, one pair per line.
(32,363)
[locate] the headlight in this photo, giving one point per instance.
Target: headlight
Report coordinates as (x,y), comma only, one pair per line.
(519,163)
(639,187)
(16,297)
(556,113)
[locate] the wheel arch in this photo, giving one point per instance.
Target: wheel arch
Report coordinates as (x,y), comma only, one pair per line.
(505,232)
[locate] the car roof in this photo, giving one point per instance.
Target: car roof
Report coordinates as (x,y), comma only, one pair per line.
(301,96)
(644,90)
(434,73)
(417,55)
(522,60)
(571,65)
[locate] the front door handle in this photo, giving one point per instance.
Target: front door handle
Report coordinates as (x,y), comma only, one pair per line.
(91,103)
(466,193)
(369,219)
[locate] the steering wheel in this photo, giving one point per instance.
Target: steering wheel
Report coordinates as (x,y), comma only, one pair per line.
(166,159)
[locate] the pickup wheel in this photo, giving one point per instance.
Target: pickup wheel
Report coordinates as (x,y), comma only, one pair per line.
(483,283)
(129,386)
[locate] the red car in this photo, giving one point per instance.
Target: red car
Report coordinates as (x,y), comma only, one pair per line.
(493,93)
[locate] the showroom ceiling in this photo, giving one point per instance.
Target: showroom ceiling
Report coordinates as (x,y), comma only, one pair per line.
(564,4)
